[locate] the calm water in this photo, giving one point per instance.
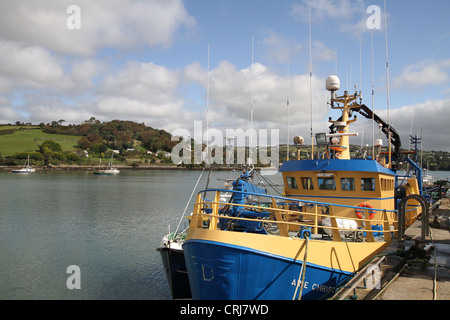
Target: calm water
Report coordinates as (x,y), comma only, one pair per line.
(109,226)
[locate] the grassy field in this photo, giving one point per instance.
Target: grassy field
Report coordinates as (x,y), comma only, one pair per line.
(24,140)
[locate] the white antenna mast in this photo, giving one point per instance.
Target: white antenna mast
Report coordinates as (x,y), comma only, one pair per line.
(336,61)
(360,67)
(250,160)
(373,101)
(410,129)
(387,81)
(287,105)
(310,85)
(207,114)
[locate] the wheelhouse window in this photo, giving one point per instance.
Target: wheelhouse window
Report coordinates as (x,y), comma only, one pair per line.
(292,183)
(326,183)
(348,184)
(307,183)
(367,184)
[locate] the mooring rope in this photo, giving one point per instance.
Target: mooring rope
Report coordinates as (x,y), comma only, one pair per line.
(302,273)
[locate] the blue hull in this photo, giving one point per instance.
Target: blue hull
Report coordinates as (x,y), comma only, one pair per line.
(219,271)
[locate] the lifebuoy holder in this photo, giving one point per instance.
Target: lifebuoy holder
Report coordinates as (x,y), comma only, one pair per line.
(359,212)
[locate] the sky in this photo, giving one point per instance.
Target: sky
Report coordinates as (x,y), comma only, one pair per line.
(169,63)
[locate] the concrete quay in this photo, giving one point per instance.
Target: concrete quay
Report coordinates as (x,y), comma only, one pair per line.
(429,281)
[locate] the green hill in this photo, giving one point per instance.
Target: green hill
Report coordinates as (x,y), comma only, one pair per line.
(26,139)
(83,144)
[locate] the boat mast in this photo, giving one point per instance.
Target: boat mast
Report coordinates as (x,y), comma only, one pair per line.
(207,158)
(373,102)
(343,149)
(310,85)
(387,82)
(287,106)
(250,152)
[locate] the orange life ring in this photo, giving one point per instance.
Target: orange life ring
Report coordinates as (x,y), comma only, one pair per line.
(359,212)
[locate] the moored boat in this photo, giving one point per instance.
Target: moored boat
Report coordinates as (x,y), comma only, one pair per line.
(336,215)
(172,256)
(110,170)
(27,168)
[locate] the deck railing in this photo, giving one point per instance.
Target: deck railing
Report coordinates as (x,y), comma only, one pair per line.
(285,213)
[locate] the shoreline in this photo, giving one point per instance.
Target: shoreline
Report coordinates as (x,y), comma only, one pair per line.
(119,167)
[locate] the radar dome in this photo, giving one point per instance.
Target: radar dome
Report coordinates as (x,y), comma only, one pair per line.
(333,83)
(378,143)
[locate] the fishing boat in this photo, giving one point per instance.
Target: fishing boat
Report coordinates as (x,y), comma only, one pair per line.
(171,250)
(335,216)
(172,256)
(27,168)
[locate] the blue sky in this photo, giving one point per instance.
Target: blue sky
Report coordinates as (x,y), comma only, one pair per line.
(147,61)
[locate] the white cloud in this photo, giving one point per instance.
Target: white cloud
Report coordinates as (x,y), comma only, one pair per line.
(328,9)
(321,52)
(84,71)
(143,92)
(429,118)
(231,98)
(348,16)
(424,74)
(143,81)
(51,71)
(277,46)
(26,67)
(120,24)
(7,113)
(29,66)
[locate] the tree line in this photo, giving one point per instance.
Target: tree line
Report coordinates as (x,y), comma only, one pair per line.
(117,135)
(126,138)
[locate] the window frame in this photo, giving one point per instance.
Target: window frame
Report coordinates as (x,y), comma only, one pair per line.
(372,181)
(291,185)
(304,182)
(352,184)
(324,182)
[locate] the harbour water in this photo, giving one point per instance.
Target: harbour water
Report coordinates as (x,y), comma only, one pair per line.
(108,226)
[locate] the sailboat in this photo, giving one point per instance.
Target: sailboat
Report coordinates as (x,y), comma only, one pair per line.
(110,170)
(26,167)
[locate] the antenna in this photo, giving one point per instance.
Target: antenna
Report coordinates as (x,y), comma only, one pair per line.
(360,64)
(335,61)
(287,105)
(250,156)
(387,81)
(373,97)
(421,146)
(310,85)
(410,130)
(207,113)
